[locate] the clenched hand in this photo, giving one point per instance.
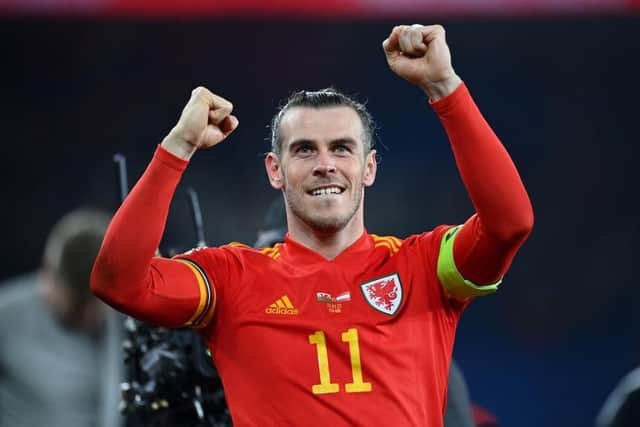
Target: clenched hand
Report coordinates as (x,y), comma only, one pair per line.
(420,55)
(205,121)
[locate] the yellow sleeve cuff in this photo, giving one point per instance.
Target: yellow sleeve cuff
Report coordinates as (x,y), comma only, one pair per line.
(454,284)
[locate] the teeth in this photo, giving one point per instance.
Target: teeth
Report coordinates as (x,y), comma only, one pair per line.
(325,191)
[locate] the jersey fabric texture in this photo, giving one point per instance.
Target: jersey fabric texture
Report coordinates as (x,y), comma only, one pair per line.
(357,340)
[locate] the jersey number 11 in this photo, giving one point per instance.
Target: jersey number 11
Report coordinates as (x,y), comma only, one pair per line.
(326,386)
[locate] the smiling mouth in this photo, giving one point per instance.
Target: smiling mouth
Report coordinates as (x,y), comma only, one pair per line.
(326,191)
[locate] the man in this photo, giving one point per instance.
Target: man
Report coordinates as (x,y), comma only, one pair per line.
(60,358)
(335,326)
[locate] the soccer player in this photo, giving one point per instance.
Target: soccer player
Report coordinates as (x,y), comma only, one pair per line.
(335,326)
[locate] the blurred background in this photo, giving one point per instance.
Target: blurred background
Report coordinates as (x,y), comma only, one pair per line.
(557,79)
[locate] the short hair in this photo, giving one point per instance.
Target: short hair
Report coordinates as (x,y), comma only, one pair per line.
(324,98)
(72,247)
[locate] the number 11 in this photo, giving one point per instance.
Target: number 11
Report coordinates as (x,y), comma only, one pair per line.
(326,386)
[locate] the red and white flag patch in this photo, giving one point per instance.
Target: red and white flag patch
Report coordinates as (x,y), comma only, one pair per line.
(384,294)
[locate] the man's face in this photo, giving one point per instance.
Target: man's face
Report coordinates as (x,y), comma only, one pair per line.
(77,311)
(323,167)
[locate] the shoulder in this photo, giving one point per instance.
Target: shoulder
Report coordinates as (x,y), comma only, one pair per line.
(18,299)
(244,253)
(391,243)
(427,239)
(18,289)
(236,249)
(229,257)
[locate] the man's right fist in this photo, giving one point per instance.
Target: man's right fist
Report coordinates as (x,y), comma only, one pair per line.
(205,121)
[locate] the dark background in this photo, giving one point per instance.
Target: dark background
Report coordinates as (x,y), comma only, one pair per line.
(561,93)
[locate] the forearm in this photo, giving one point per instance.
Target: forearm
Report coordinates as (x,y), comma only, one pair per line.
(504,213)
(441,89)
(123,265)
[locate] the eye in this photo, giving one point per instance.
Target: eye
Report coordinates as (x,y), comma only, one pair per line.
(342,149)
(304,150)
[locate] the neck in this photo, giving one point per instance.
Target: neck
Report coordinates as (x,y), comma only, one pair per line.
(329,244)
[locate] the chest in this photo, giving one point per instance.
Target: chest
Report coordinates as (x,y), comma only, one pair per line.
(366,292)
(389,302)
(333,329)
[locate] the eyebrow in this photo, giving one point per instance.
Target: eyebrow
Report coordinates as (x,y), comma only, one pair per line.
(299,142)
(344,141)
(334,142)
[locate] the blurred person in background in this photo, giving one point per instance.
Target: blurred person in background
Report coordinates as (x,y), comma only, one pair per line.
(459,411)
(622,407)
(60,347)
(335,325)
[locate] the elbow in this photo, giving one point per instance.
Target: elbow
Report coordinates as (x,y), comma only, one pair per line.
(514,229)
(103,280)
(524,230)
(520,227)
(97,282)
(116,286)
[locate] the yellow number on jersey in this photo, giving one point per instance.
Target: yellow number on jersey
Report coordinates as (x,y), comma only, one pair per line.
(326,386)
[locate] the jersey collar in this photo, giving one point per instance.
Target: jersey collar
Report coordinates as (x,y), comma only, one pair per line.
(296,253)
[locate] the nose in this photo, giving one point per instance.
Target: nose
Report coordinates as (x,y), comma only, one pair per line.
(325,164)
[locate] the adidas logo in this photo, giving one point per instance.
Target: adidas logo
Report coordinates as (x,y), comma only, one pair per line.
(282,306)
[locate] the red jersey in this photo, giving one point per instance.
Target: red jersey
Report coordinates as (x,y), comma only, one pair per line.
(363,339)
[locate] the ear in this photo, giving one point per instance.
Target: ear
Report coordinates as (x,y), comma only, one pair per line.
(370,169)
(274,171)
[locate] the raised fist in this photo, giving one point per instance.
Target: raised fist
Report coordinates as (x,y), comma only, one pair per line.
(205,121)
(420,55)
